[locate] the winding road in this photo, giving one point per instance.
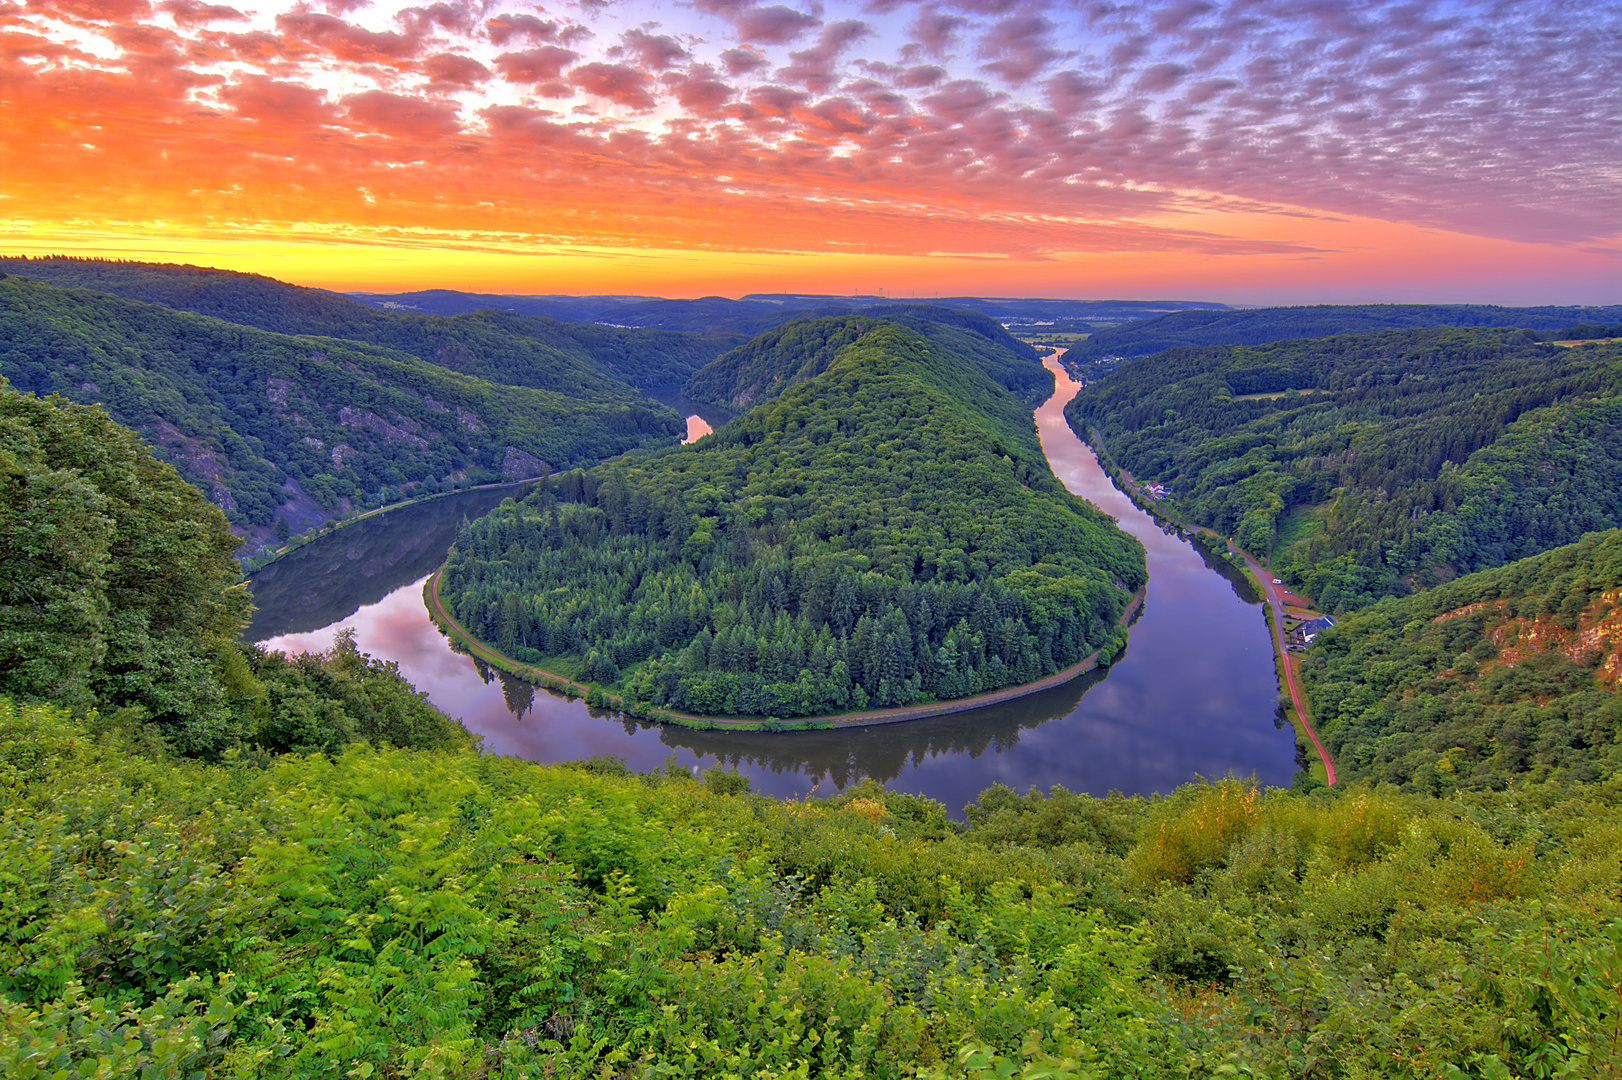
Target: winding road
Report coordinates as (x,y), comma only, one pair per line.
(1275,599)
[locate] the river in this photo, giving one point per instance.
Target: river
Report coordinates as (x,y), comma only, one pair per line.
(1194,693)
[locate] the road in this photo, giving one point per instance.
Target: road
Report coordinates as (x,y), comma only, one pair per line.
(1275,598)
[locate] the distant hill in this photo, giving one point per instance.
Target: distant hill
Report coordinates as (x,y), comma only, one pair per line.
(801,350)
(1372,464)
(759,312)
(300,426)
(1510,673)
(886,531)
(518,348)
(1259,326)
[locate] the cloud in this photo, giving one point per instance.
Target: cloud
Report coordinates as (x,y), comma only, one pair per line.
(535,65)
(506,27)
(934,32)
(776,25)
(619,83)
(814,68)
(284,105)
(454,71)
(699,91)
(655,52)
(191,13)
(743,61)
(1021,47)
(347,42)
(406,117)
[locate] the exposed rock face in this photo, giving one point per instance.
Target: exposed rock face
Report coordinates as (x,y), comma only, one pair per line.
(276,391)
(1595,636)
(372,422)
(519,465)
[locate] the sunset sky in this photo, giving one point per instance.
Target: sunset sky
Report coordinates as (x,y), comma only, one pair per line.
(1250,152)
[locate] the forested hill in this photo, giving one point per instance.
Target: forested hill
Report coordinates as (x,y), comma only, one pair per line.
(765,367)
(1261,326)
(1509,673)
(884,533)
(257,419)
(578,359)
(1372,464)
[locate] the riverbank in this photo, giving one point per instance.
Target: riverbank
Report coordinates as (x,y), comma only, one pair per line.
(1283,660)
(597,696)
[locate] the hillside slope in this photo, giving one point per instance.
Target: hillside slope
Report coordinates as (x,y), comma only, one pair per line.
(764,367)
(1509,673)
(1261,326)
(259,420)
(578,359)
(887,531)
(1374,464)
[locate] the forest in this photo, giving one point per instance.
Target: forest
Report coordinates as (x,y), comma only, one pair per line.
(255,417)
(1262,326)
(225,863)
(1372,465)
(1503,676)
(767,365)
(884,533)
(580,359)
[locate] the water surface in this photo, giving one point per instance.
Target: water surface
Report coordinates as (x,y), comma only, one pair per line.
(1194,693)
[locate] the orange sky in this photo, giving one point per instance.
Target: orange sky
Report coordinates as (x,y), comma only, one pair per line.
(1251,153)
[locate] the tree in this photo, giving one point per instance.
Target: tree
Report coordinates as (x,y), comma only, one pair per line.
(118,580)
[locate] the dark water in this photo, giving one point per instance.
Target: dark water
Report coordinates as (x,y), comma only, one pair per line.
(1194,694)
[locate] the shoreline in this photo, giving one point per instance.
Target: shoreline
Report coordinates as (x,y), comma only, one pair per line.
(1273,609)
(900,714)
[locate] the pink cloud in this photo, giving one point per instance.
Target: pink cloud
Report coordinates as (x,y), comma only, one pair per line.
(278,104)
(503,28)
(1021,48)
(451,70)
(655,52)
(407,117)
(345,41)
(776,25)
(619,83)
(191,13)
(535,65)
(743,61)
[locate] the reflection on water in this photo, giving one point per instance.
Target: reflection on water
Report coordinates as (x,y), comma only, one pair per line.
(333,577)
(1194,693)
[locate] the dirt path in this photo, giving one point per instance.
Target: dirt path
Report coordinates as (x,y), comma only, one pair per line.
(875,716)
(1275,598)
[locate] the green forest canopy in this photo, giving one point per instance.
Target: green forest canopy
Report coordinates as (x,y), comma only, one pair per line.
(764,367)
(119,593)
(1509,673)
(1262,326)
(578,359)
(244,411)
(1379,462)
(884,533)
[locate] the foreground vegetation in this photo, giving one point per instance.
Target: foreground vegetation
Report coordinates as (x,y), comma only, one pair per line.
(386,912)
(1371,465)
(882,534)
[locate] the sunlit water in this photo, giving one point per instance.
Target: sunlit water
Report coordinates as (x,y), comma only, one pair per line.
(1194,694)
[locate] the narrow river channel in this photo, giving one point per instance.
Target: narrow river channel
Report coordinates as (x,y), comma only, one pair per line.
(1194,693)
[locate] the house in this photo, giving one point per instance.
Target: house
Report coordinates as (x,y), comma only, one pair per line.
(1310,630)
